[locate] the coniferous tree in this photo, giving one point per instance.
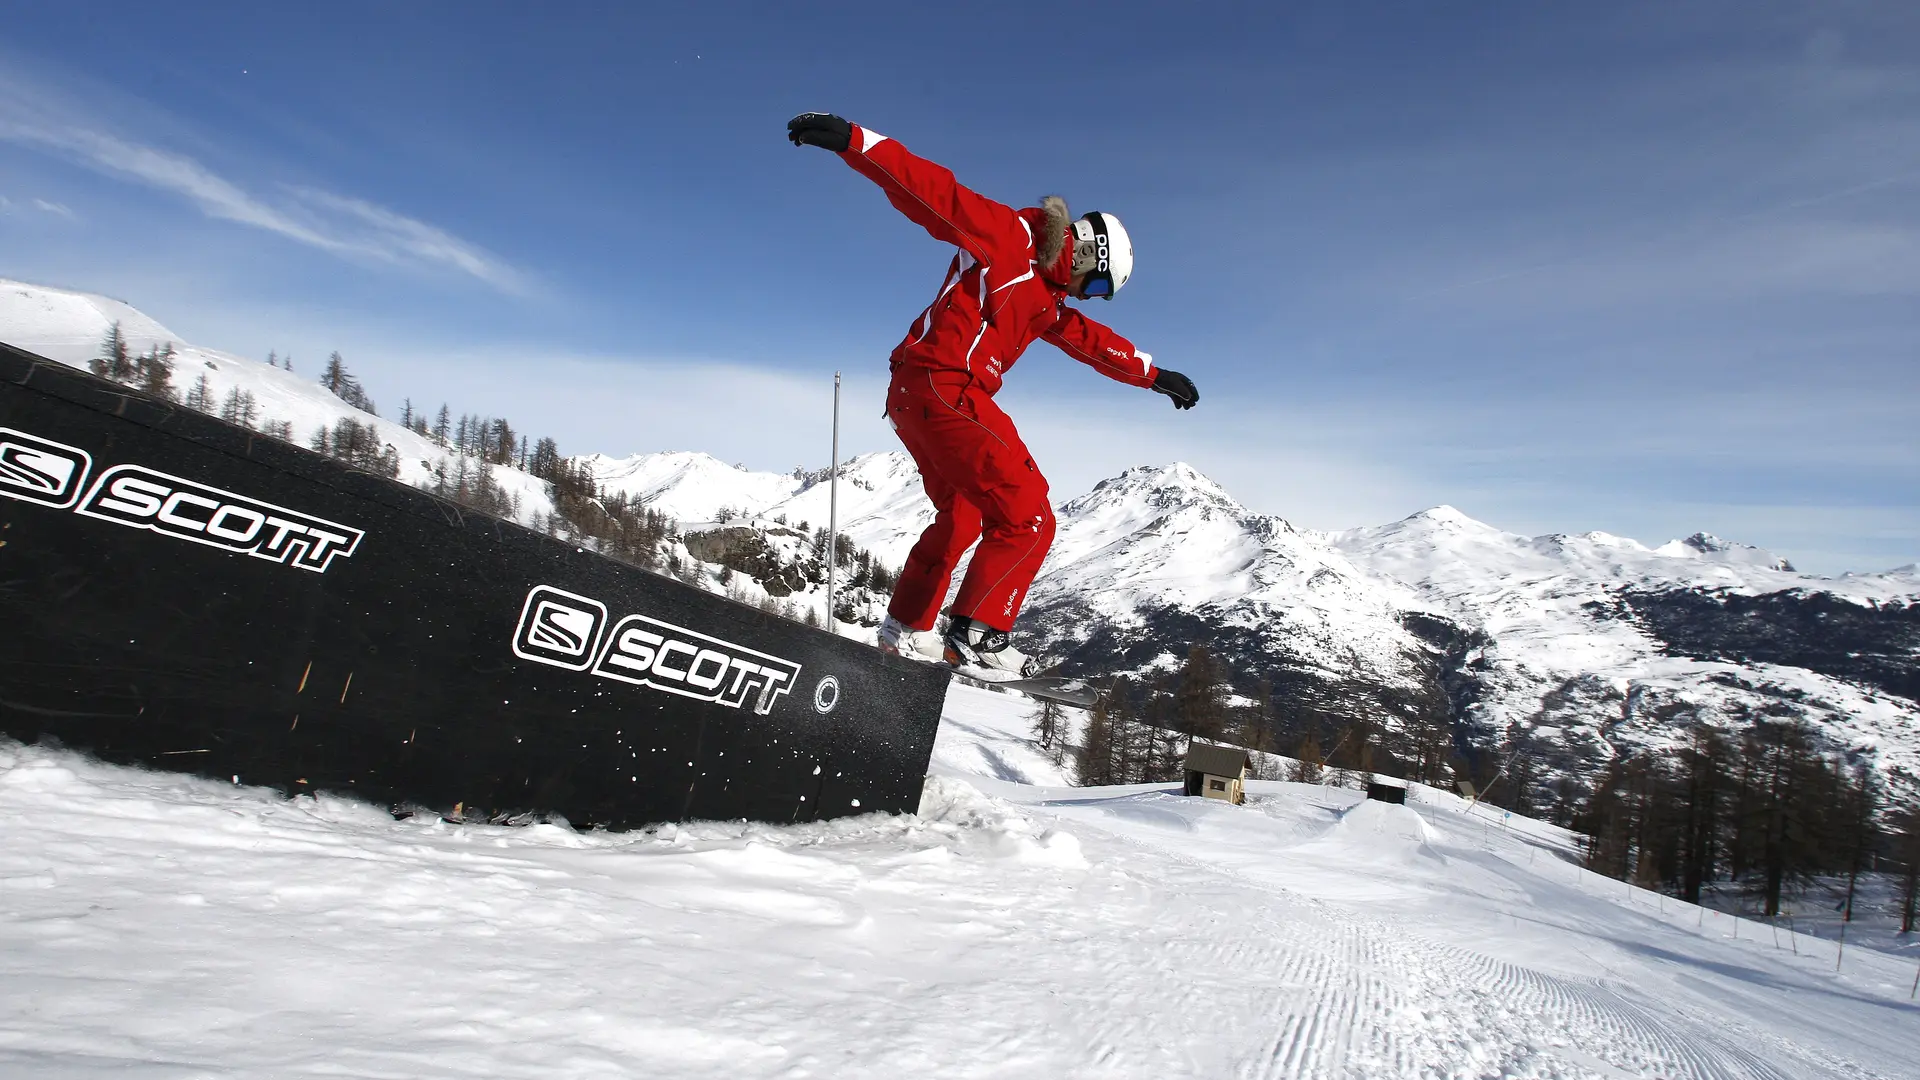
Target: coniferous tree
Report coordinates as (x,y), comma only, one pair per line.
(116,359)
(1907,851)
(239,407)
(200,395)
(1859,809)
(1049,729)
(1200,708)
(545,461)
(155,372)
(1307,767)
(1094,760)
(1165,755)
(344,386)
(505,443)
(1132,744)
(335,377)
(1703,764)
(440,428)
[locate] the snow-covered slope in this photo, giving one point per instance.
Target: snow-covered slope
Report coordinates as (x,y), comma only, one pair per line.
(160,926)
(69,326)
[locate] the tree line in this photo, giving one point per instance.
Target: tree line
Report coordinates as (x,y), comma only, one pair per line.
(1759,807)
(617,525)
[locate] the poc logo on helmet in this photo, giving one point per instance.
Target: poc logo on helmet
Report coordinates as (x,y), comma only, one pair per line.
(559,628)
(566,630)
(40,470)
(143,498)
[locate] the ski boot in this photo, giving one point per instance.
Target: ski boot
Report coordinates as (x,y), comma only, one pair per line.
(896,638)
(981,652)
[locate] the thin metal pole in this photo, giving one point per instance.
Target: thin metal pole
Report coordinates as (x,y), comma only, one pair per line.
(833,503)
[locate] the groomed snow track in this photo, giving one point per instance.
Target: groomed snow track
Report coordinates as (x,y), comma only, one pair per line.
(156,926)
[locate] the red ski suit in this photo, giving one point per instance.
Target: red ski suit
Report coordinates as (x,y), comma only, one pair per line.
(995,301)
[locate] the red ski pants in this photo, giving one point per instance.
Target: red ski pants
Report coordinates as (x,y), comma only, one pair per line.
(984,487)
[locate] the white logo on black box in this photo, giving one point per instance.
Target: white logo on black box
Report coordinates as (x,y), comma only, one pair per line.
(559,628)
(40,470)
(143,498)
(566,630)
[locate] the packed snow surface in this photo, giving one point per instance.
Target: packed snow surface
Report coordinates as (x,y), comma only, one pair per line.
(155,926)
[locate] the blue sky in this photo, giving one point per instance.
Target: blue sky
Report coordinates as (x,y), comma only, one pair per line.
(1648,269)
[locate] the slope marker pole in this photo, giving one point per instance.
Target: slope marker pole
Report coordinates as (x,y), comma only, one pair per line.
(833,505)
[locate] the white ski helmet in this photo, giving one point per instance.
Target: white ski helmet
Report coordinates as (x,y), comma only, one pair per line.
(1103,252)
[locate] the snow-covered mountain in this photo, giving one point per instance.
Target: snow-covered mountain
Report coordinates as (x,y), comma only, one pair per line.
(1572,647)
(881,507)
(1584,645)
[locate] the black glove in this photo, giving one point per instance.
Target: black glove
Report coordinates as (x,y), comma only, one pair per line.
(823,130)
(1178,387)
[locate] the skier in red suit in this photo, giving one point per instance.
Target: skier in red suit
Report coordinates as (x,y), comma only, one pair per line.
(1005,287)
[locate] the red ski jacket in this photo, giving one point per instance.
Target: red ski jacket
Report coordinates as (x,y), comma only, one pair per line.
(996,298)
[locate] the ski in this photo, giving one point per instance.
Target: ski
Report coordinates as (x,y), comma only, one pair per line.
(1065,689)
(1077,691)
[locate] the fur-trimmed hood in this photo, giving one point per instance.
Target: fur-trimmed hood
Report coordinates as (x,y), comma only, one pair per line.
(1053,238)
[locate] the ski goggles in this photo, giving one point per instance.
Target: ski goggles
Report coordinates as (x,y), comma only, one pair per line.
(1090,257)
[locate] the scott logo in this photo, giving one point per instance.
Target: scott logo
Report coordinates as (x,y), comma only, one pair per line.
(648,652)
(559,628)
(565,630)
(38,470)
(143,498)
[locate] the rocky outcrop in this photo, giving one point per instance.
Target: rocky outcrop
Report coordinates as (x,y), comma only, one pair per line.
(746,550)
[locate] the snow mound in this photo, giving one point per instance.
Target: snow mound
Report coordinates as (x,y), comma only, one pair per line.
(983,825)
(1387,828)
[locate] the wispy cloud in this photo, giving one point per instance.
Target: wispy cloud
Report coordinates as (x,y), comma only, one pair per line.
(54,208)
(344,226)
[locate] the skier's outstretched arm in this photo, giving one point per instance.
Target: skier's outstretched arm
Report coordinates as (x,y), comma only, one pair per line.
(1115,357)
(927,193)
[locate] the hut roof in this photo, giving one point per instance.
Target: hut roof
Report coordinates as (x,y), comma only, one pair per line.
(1216,760)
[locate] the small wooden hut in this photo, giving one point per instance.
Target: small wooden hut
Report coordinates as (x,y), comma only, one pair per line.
(1386,789)
(1217,772)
